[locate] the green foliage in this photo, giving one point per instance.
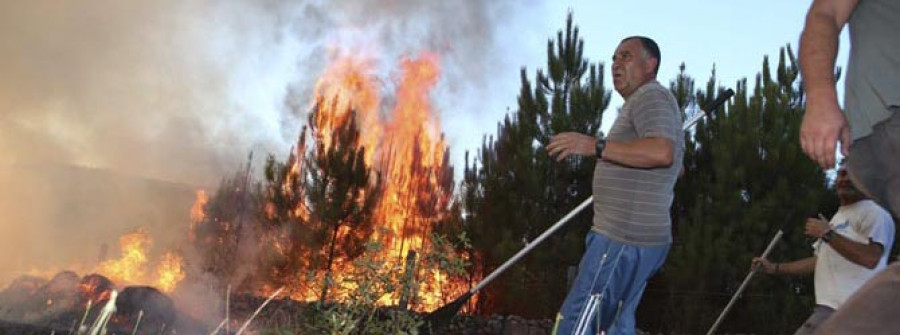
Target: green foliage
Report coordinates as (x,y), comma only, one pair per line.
(745,178)
(442,255)
(373,279)
(512,191)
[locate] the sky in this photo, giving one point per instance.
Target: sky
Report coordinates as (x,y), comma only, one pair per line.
(184,90)
(732,36)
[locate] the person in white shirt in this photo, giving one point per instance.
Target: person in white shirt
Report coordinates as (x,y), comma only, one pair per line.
(848,251)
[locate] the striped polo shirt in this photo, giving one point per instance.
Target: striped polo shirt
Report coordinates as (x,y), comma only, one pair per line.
(631,205)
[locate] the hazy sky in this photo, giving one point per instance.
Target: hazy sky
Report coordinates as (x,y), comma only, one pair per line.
(183,90)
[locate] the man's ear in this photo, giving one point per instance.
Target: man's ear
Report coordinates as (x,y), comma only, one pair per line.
(654,62)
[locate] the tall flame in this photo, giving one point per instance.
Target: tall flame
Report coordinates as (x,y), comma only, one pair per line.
(169,272)
(349,85)
(412,149)
(406,147)
(129,268)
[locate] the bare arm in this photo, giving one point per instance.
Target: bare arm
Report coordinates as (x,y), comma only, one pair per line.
(650,152)
(796,268)
(823,123)
(819,46)
(864,254)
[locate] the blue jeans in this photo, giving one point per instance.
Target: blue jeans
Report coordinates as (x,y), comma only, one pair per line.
(611,279)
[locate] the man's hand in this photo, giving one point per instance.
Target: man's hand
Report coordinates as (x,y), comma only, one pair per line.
(565,144)
(816,227)
(763,264)
(823,127)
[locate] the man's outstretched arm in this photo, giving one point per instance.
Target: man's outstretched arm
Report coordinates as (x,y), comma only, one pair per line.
(650,152)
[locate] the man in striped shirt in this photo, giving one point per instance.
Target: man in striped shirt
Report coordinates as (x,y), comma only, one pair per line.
(637,166)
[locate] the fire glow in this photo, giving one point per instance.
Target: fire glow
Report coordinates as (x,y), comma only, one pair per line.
(409,152)
(404,145)
(131,266)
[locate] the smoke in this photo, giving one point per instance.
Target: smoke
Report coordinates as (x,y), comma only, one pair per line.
(156,89)
(112,112)
(184,90)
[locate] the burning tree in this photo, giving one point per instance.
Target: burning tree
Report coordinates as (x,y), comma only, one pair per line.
(357,175)
(341,191)
(225,228)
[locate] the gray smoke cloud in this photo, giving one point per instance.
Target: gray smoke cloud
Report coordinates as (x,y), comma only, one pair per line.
(153,99)
(183,90)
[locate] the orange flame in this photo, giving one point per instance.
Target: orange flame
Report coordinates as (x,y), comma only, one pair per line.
(411,156)
(131,266)
(197,213)
(348,84)
(412,149)
(169,272)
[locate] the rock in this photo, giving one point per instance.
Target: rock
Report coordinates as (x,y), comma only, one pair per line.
(94,287)
(159,310)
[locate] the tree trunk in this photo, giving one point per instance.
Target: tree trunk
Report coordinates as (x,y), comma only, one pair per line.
(328,266)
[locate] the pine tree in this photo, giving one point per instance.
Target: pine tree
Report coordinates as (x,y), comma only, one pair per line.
(341,189)
(514,191)
(296,242)
(745,178)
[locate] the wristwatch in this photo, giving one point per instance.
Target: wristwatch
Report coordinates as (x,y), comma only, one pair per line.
(828,236)
(601,144)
